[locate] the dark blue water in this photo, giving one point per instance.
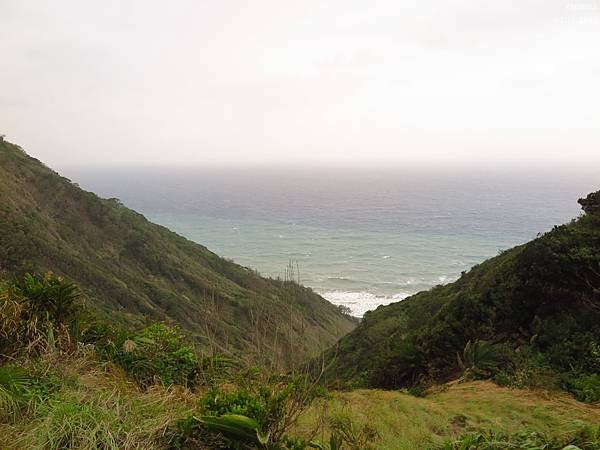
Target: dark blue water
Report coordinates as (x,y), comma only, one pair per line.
(360,238)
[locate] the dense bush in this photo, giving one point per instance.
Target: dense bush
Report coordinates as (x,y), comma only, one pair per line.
(585,388)
(415,391)
(51,296)
(528,368)
(158,353)
(256,416)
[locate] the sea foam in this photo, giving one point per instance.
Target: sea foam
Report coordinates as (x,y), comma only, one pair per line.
(361,302)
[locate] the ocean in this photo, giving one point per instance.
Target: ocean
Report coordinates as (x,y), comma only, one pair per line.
(360,238)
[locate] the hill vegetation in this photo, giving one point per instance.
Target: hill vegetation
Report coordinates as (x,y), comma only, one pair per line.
(527,317)
(162,344)
(133,271)
(69,381)
(452,415)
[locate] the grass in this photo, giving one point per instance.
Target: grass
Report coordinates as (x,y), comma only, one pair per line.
(98,407)
(407,422)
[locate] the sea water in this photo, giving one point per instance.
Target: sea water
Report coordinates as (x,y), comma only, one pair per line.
(360,238)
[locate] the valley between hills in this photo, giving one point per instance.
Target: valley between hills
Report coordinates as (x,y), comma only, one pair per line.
(116,333)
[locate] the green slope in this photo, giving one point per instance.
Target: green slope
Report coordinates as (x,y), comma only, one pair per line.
(134,269)
(541,298)
(405,422)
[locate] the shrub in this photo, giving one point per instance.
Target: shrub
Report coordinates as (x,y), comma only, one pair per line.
(241,431)
(585,388)
(401,369)
(38,314)
(528,369)
(275,404)
(415,391)
(158,353)
(256,416)
(50,297)
(480,359)
(14,382)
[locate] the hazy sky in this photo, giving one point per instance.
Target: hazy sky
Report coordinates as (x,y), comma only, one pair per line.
(322,82)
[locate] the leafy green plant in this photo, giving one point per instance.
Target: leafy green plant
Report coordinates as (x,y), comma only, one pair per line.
(38,314)
(480,359)
(260,414)
(585,388)
(24,387)
(14,383)
(415,391)
(528,368)
(51,296)
(241,431)
(241,402)
(158,353)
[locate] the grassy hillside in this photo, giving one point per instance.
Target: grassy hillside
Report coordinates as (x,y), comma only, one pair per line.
(530,315)
(84,404)
(133,270)
(405,422)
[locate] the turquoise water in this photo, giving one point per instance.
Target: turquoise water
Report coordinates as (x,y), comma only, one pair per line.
(360,269)
(361,238)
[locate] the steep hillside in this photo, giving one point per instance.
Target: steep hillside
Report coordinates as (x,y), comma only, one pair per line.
(135,270)
(537,304)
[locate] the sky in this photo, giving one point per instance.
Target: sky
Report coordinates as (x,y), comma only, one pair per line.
(327,83)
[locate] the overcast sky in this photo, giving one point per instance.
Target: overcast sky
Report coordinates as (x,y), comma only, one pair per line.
(319,82)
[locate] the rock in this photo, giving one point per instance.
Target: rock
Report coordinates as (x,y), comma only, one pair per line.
(590,204)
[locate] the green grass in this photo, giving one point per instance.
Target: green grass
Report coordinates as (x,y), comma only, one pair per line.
(97,407)
(407,422)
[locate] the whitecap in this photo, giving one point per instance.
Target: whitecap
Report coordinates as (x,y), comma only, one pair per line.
(362,301)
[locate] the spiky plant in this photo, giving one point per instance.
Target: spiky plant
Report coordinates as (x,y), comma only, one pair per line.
(480,359)
(37,314)
(51,296)
(13,388)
